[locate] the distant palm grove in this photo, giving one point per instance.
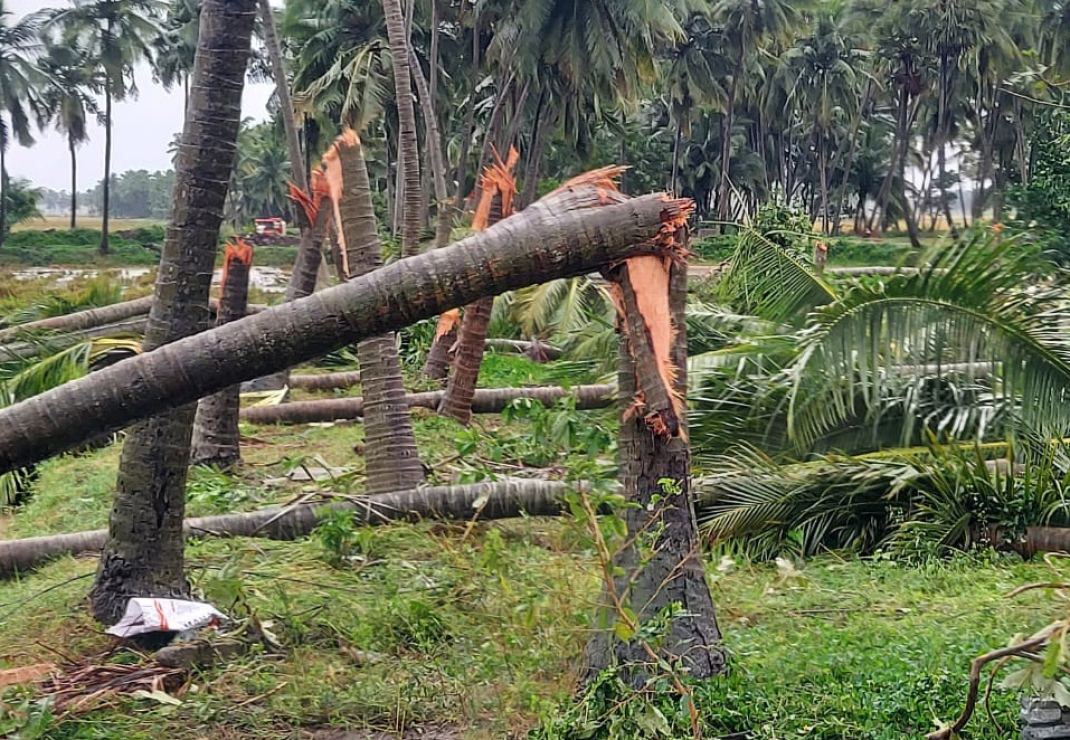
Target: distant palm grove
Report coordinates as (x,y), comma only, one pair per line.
(865,114)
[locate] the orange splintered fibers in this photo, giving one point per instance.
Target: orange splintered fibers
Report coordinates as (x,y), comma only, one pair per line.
(334,182)
(640,290)
(238,250)
(447,321)
(310,204)
(497,181)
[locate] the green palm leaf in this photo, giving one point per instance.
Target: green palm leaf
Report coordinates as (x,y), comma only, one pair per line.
(969,307)
(772,281)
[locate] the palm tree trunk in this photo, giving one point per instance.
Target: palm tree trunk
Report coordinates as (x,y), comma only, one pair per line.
(486,501)
(724,190)
(521,252)
(434,150)
(484,401)
(440,355)
(106,192)
(461,386)
(408,149)
(528,191)
(391,457)
(90,318)
(851,154)
(74,183)
(3,190)
(143,555)
(675,177)
(823,166)
(650,578)
(469,119)
(215,427)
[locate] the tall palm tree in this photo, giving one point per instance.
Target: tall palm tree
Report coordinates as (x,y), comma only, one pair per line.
(117,34)
(176,47)
(748,24)
(19,79)
(817,80)
(408,149)
(144,551)
(67,102)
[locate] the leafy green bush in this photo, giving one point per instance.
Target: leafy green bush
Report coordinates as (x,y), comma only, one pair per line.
(1043,204)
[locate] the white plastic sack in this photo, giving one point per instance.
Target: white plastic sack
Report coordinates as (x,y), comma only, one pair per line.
(164,615)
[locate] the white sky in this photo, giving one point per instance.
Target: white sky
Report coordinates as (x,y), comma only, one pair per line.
(142,130)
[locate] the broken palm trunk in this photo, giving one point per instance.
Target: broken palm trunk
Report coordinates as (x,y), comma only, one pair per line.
(215,427)
(309,259)
(485,401)
(497,500)
(391,457)
(441,355)
(545,241)
(657,616)
(495,204)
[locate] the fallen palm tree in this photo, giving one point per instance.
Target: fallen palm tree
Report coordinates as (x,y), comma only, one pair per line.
(30,349)
(485,401)
(547,240)
(350,378)
(79,320)
(499,500)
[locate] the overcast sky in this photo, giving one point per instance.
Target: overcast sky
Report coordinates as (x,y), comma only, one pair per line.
(142,131)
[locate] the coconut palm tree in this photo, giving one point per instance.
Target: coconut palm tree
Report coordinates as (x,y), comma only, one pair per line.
(67,102)
(116,34)
(19,81)
(748,23)
(176,47)
(144,552)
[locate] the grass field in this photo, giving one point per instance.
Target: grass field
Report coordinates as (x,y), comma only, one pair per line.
(476,631)
(85,222)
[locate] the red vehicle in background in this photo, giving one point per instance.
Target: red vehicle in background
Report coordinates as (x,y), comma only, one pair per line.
(270,226)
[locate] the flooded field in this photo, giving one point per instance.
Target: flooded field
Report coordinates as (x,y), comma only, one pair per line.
(266,279)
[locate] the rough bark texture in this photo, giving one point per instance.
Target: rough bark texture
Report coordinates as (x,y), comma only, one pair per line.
(547,240)
(215,427)
(326,381)
(408,148)
(143,555)
(499,500)
(79,320)
(391,457)
(310,248)
(105,188)
(464,374)
(440,356)
(485,401)
(496,203)
(661,565)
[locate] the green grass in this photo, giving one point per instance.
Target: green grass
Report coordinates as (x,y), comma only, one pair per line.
(482,628)
(79,247)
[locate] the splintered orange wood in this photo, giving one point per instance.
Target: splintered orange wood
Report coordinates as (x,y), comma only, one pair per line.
(310,204)
(497,181)
(640,292)
(335,182)
(447,321)
(239,250)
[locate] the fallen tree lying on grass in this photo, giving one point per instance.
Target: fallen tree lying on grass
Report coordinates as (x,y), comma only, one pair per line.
(545,241)
(485,401)
(498,500)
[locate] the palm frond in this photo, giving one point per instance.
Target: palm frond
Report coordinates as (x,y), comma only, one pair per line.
(967,307)
(771,280)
